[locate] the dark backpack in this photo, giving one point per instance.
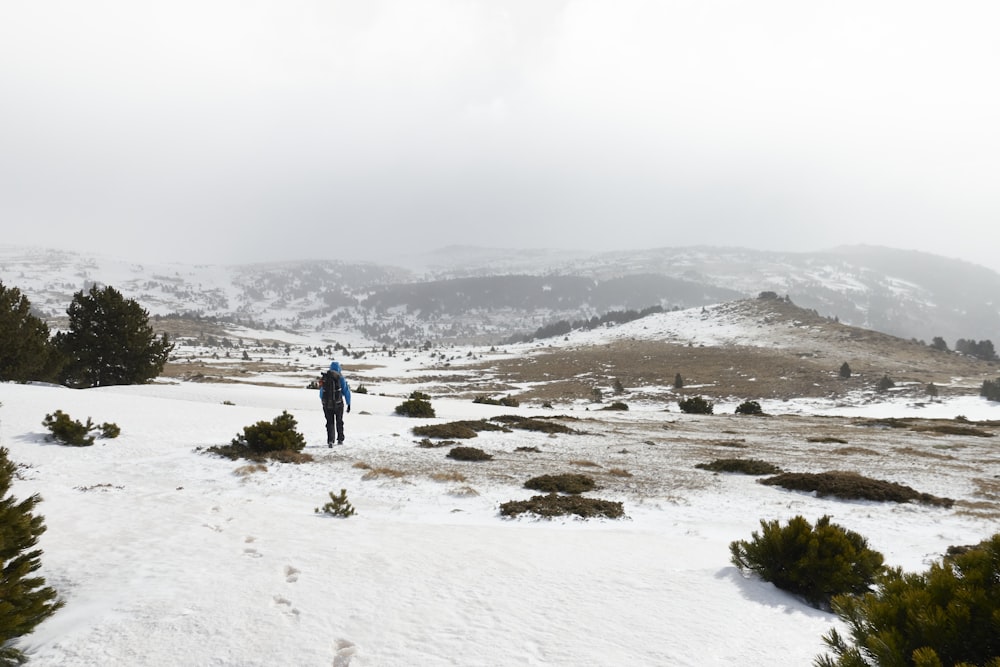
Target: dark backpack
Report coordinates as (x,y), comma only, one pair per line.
(333,395)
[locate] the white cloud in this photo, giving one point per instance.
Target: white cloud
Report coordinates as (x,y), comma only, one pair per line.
(781,124)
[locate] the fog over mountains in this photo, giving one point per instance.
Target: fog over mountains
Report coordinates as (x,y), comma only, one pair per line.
(482,294)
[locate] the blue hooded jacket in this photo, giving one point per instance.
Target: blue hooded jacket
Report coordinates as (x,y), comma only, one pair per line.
(345,390)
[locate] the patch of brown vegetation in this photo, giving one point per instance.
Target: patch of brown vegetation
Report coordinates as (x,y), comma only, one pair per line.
(847,451)
(827,439)
(852,486)
(563,483)
(741,466)
(451,476)
(952,429)
(375,473)
(541,425)
(553,504)
(912,451)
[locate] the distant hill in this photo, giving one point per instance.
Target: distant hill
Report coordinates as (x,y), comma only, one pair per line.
(481,294)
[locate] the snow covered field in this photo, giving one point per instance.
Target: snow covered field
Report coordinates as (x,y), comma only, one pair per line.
(167,556)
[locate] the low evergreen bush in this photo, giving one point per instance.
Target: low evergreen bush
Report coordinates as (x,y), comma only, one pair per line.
(852,486)
(338,506)
(742,466)
(540,425)
(270,436)
(948,615)
(72,432)
(815,563)
(418,405)
(749,408)
(555,505)
(617,405)
(565,483)
(506,401)
(461,429)
(453,430)
(990,390)
(276,440)
(696,405)
(468,454)
(884,384)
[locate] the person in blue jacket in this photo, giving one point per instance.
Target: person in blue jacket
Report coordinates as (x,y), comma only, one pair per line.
(334,394)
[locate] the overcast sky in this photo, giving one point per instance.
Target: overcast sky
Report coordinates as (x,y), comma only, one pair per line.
(230,130)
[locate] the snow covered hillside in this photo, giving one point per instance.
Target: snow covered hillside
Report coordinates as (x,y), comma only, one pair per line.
(167,555)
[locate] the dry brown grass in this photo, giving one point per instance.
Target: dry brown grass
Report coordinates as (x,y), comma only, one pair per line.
(376,473)
(583,463)
(451,476)
(980,509)
(247,470)
(734,444)
(619,472)
(912,451)
(987,488)
(850,451)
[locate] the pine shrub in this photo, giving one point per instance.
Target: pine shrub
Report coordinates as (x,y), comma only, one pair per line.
(616,406)
(948,615)
(338,505)
(270,436)
(468,454)
(538,424)
(815,563)
(25,600)
(276,440)
(991,390)
(461,429)
(551,505)
(742,466)
(507,401)
(72,432)
(852,486)
(450,431)
(845,370)
(418,405)
(884,384)
(571,483)
(749,408)
(696,405)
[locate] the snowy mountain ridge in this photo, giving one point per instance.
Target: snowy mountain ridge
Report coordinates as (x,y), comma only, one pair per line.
(466,293)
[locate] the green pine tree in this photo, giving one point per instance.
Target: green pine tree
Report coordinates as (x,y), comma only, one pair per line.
(947,615)
(25,600)
(110,341)
(25,351)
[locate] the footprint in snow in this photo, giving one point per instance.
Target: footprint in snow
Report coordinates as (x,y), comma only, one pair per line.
(285,605)
(291,574)
(345,650)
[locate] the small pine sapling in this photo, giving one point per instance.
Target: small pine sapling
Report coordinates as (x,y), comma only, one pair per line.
(72,432)
(338,506)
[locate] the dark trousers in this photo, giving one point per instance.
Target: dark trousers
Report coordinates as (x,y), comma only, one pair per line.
(334,423)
